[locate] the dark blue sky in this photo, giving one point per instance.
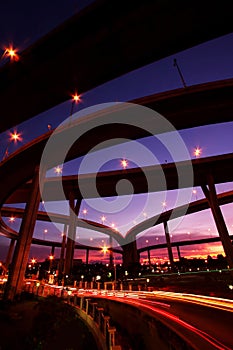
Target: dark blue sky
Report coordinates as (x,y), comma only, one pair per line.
(21,23)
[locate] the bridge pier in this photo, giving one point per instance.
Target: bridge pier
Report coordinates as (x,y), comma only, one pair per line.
(87,256)
(62,253)
(10,252)
(74,210)
(169,247)
(22,249)
(211,196)
(130,255)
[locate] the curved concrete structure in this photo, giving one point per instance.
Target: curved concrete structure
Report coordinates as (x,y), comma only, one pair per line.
(101,43)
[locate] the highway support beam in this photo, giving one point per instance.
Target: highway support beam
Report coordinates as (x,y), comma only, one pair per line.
(10,252)
(70,245)
(169,247)
(130,255)
(22,249)
(62,252)
(211,196)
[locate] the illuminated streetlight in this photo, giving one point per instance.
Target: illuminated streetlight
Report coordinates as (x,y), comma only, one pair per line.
(197,152)
(164,205)
(12,53)
(103,219)
(124,163)
(75,99)
(58,170)
(104,249)
(33,261)
(12,219)
(15,137)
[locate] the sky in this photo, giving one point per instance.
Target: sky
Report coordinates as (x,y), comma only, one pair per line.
(21,24)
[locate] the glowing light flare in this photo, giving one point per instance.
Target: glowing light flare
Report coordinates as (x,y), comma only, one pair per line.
(33,260)
(12,219)
(104,249)
(12,53)
(84,211)
(197,152)
(15,136)
(76,98)
(103,219)
(124,163)
(51,257)
(58,170)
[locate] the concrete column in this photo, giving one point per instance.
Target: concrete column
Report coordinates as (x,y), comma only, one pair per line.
(10,252)
(169,247)
(62,253)
(130,254)
(148,256)
(87,256)
(178,252)
(74,210)
(22,249)
(212,199)
(52,250)
(110,252)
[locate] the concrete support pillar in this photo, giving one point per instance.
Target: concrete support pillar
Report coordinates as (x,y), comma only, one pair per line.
(148,256)
(22,249)
(62,253)
(9,253)
(52,250)
(74,210)
(110,252)
(211,197)
(178,252)
(169,247)
(87,256)
(130,255)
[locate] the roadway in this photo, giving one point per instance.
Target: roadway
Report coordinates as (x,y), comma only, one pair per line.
(203,322)
(207,317)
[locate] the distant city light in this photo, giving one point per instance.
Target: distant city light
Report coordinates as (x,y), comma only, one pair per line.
(51,257)
(33,261)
